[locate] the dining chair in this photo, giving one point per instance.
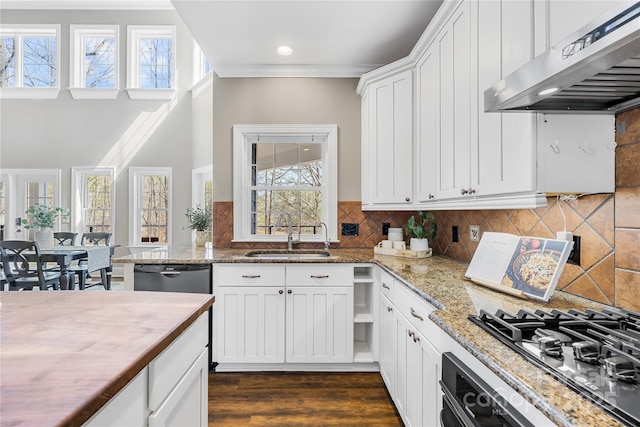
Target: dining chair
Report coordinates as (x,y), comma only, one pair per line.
(23,267)
(82,271)
(65,238)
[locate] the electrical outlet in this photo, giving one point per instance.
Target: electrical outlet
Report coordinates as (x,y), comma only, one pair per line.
(474,233)
(385,228)
(574,255)
(454,234)
(349,229)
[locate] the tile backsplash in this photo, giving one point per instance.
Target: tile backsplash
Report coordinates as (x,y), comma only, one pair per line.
(608,225)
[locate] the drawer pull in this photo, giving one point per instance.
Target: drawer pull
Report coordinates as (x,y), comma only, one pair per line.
(384,285)
(251,276)
(321,276)
(414,314)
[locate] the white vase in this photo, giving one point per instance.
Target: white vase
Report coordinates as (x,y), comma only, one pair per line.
(201,238)
(418,244)
(45,239)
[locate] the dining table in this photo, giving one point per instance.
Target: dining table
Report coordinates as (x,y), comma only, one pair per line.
(97,257)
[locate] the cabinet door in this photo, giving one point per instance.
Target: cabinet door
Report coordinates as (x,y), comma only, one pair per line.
(187,404)
(319,324)
(388,356)
(389,173)
(428,126)
(453,171)
(250,324)
(506,142)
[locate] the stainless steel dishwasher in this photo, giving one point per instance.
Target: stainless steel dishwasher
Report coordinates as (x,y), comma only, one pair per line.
(193,278)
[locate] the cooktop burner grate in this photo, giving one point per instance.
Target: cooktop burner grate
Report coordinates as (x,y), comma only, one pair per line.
(595,353)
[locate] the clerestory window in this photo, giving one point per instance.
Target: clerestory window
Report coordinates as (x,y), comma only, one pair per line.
(151,67)
(94,61)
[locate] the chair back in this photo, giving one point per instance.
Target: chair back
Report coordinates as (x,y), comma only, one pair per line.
(16,264)
(65,238)
(96,239)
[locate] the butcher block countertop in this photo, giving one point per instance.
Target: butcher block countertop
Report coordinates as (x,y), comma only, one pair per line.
(65,354)
(440,281)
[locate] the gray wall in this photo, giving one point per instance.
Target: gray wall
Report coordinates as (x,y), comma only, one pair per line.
(287,101)
(65,132)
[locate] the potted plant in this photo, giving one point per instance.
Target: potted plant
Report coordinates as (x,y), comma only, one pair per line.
(200,219)
(421,230)
(42,219)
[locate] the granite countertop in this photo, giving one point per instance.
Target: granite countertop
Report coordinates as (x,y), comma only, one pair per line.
(440,281)
(65,354)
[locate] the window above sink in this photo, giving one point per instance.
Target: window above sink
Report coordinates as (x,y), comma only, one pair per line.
(285,168)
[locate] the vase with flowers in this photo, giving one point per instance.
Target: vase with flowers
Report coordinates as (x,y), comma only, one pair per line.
(42,219)
(200,219)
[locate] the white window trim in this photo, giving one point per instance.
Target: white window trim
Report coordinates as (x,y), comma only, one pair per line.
(134,33)
(134,205)
(76,61)
(21,92)
(242,179)
(78,193)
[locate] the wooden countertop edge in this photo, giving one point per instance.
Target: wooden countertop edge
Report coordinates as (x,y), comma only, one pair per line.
(94,403)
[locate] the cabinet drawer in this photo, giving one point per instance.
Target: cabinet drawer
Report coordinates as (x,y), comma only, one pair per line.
(319,275)
(251,275)
(166,370)
(414,308)
(387,285)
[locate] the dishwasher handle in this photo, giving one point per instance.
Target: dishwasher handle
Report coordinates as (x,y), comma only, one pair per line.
(170,273)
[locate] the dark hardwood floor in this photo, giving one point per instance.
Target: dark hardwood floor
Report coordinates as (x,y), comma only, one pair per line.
(300,398)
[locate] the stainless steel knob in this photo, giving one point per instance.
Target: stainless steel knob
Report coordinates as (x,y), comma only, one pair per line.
(280,291)
(407,199)
(431,196)
(464,191)
(289,291)
(471,191)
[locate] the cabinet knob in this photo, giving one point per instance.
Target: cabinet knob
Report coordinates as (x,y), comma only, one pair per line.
(280,291)
(407,199)
(431,196)
(464,191)
(411,333)
(389,308)
(471,191)
(289,291)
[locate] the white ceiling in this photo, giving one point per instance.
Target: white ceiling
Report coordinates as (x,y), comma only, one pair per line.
(330,38)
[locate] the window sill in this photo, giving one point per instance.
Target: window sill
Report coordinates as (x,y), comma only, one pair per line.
(29,92)
(151,94)
(93,93)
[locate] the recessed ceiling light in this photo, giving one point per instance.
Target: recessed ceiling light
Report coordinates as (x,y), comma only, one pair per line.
(548,91)
(285,51)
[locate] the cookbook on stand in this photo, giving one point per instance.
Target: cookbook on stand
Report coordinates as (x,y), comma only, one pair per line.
(524,266)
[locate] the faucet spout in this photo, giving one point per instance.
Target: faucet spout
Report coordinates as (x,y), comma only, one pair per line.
(279,224)
(326,236)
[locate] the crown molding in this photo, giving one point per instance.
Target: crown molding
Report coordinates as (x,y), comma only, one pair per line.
(293,70)
(88,4)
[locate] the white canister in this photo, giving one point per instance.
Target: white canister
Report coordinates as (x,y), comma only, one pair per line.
(395,234)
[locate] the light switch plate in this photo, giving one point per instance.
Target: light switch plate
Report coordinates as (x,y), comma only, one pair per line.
(474,233)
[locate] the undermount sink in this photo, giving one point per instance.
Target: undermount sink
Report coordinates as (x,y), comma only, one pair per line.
(295,254)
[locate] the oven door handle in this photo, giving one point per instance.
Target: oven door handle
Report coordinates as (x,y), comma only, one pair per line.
(457,410)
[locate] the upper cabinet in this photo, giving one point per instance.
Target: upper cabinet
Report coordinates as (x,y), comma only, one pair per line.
(450,154)
(387,114)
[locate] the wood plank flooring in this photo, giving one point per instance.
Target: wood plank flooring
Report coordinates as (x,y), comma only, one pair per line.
(300,399)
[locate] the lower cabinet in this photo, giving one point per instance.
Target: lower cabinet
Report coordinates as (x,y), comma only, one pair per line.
(171,391)
(269,314)
(409,363)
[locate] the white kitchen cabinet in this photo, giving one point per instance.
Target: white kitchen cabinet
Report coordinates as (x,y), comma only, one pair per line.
(250,326)
(453,143)
(171,391)
(387,152)
(388,351)
(365,312)
(307,318)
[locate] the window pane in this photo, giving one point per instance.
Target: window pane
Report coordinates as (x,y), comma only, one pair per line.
(99,62)
(39,61)
(154,216)
(7,61)
(155,63)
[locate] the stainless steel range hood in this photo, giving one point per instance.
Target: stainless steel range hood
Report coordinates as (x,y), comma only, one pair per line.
(596,69)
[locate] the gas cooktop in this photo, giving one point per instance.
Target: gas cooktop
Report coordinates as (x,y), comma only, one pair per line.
(596,353)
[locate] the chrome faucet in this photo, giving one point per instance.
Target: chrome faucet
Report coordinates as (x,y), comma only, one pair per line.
(279,224)
(326,237)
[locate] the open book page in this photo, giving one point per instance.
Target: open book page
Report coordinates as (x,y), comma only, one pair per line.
(536,265)
(492,256)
